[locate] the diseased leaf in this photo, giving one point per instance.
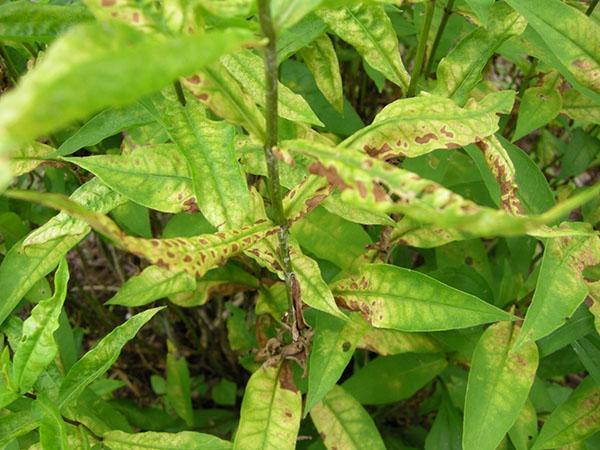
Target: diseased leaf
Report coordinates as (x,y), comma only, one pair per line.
(156,176)
(524,431)
(18,424)
(332,348)
(21,268)
(343,423)
(271,409)
(560,287)
(100,358)
(87,56)
(190,440)
(580,107)
(388,379)
(28,157)
(574,39)
(498,386)
(248,69)
(25,21)
(368,29)
(322,61)
(53,429)
(38,347)
(481,8)
(460,71)
(392,297)
(574,420)
(415,126)
(152,284)
(129,12)
(392,342)
(207,146)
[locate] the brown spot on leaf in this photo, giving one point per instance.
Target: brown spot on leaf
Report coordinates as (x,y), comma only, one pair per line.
(286,378)
(425,138)
(187,258)
(452,145)
(379,193)
(362,190)
(194,79)
(316,168)
(135,17)
(202,96)
(446,132)
(107,3)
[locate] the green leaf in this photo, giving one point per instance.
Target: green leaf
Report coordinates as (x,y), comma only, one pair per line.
(299,36)
(560,287)
(103,125)
(343,423)
(248,69)
(574,39)
(28,157)
(218,181)
(287,13)
(37,347)
(387,342)
(271,409)
(498,386)
(22,268)
(392,297)
(100,358)
(388,379)
(333,345)
(580,107)
(574,420)
(178,387)
(152,284)
(524,431)
(72,77)
(445,433)
(53,429)
(190,440)
(155,176)
(321,59)
(25,21)
(460,71)
(481,8)
(414,126)
(369,30)
(539,106)
(18,424)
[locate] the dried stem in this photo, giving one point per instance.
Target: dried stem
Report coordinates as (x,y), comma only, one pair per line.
(271,74)
(421,49)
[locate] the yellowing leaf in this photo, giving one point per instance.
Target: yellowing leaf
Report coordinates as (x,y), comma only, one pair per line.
(392,297)
(498,386)
(150,440)
(343,423)
(415,126)
(27,157)
(368,29)
(580,107)
(270,415)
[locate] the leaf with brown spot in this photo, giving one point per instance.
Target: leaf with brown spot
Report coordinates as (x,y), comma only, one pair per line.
(414,126)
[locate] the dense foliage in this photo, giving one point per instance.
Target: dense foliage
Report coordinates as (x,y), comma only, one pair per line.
(300,224)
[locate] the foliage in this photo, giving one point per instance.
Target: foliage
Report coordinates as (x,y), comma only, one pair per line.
(307,224)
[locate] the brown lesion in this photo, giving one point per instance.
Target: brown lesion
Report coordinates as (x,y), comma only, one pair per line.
(426,138)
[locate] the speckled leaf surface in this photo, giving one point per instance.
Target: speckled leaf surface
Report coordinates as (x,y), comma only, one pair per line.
(499,382)
(190,440)
(271,409)
(392,297)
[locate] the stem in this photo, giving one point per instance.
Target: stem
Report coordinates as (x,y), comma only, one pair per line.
(438,36)
(421,49)
(591,8)
(271,115)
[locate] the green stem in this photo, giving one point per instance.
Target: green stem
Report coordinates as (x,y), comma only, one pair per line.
(421,48)
(271,115)
(591,8)
(438,36)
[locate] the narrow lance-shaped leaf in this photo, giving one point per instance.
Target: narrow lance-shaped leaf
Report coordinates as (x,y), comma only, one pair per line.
(343,423)
(361,177)
(72,76)
(332,348)
(99,359)
(53,429)
(580,107)
(393,297)
(460,71)
(38,348)
(17,424)
(322,61)
(21,269)
(574,39)
(287,13)
(573,420)
(481,8)
(248,69)
(414,126)
(194,255)
(156,176)
(178,386)
(190,440)
(498,386)
(152,284)
(271,409)
(368,29)
(218,181)
(560,287)
(525,429)
(28,157)
(24,21)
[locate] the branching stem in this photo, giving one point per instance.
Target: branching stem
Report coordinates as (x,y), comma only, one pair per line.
(271,74)
(421,49)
